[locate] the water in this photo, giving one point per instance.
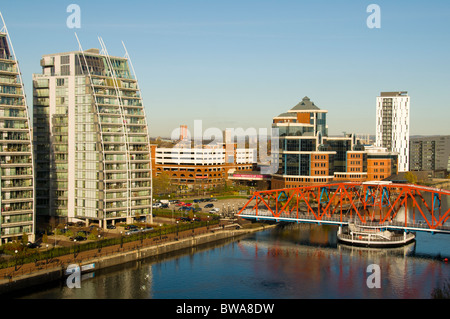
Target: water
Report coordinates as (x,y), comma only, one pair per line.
(291,262)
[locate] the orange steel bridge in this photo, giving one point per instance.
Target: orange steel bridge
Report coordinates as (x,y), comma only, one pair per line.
(393,206)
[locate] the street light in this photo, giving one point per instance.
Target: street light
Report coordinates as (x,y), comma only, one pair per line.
(121,239)
(47,253)
(160,232)
(16,259)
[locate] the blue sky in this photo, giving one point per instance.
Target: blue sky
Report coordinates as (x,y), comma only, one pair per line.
(237,64)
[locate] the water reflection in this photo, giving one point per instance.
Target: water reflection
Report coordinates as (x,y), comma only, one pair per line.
(293,261)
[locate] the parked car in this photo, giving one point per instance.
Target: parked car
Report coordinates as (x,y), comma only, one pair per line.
(196,219)
(187,204)
(147,229)
(183,219)
(209,205)
(157,205)
(214,210)
(132,231)
(213,199)
(33,245)
(78,238)
(111,227)
(130,227)
(198,209)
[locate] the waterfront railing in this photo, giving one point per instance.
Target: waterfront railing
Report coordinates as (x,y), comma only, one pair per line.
(44,259)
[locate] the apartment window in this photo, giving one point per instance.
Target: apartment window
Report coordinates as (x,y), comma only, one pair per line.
(65,69)
(60,82)
(65,59)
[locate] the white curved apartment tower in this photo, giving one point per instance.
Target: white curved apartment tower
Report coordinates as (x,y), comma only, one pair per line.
(91,139)
(393,114)
(17,215)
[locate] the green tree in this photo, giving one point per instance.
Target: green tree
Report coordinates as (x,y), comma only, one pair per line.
(24,239)
(162,183)
(45,238)
(411,177)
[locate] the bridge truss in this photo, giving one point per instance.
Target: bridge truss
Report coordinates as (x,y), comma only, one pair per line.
(395,206)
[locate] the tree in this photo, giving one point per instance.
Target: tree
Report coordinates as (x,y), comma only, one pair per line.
(45,238)
(411,177)
(162,184)
(24,239)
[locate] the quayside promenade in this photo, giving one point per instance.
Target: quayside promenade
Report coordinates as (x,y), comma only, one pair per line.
(23,276)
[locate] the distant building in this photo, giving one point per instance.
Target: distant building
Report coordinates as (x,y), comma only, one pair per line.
(392,125)
(431,153)
(308,156)
(201,168)
(302,158)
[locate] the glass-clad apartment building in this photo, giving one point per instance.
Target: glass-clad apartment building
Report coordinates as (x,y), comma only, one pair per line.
(16,158)
(91,139)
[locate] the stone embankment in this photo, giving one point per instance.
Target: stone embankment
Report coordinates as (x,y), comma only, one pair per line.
(25,276)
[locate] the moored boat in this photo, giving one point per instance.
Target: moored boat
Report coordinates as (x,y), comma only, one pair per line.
(373,236)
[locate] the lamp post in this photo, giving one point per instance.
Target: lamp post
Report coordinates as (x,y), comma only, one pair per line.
(207,223)
(47,253)
(177,229)
(160,232)
(15,268)
(99,243)
(74,246)
(121,239)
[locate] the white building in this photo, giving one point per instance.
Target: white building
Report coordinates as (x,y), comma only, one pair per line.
(201,156)
(17,214)
(91,139)
(393,116)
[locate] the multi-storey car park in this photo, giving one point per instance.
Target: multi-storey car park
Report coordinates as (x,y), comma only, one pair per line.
(91,139)
(16,157)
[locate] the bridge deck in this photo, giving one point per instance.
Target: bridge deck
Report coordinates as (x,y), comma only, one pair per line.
(264,214)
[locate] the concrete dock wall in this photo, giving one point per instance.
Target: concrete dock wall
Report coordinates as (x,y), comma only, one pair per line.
(46,276)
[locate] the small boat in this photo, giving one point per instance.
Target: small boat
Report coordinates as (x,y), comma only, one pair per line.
(373,236)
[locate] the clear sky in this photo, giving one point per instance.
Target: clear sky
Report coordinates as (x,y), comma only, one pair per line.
(239,63)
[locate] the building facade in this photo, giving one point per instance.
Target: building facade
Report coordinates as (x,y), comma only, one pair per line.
(308,156)
(91,139)
(431,153)
(303,160)
(392,125)
(201,168)
(17,216)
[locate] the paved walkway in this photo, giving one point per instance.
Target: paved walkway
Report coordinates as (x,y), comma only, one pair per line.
(85,256)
